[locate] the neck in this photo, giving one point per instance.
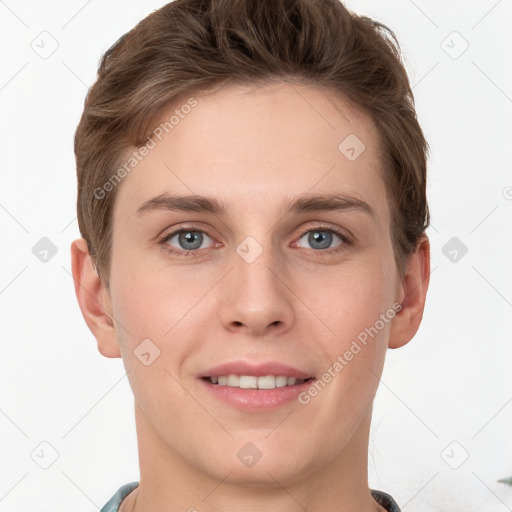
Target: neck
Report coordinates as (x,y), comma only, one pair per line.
(169,482)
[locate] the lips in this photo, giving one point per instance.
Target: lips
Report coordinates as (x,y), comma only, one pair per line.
(242,368)
(255,387)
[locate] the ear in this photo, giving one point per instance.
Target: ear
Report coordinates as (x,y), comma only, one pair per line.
(412,295)
(94,299)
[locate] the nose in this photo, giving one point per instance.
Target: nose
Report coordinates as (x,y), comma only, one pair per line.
(256,298)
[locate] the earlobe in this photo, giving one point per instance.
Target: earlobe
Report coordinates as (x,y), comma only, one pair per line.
(93,299)
(414,291)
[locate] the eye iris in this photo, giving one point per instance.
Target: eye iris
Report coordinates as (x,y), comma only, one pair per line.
(322,237)
(187,237)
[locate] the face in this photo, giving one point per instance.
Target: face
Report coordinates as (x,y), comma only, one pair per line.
(283,278)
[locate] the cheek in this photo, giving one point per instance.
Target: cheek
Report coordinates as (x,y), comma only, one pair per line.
(352,297)
(152,342)
(150,300)
(357,306)
(160,313)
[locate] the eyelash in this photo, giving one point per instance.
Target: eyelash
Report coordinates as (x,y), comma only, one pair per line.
(184,229)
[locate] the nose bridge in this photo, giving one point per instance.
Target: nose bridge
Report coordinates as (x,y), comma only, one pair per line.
(254,270)
(254,267)
(255,294)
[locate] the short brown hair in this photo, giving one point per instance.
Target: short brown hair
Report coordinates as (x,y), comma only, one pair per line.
(193,45)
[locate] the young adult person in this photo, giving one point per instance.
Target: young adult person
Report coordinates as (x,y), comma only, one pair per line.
(252,205)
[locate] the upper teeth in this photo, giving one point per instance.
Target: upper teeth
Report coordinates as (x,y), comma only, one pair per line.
(251,382)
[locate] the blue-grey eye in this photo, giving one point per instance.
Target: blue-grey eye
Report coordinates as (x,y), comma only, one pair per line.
(320,238)
(189,240)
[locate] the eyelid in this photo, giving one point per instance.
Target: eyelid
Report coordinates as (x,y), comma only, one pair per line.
(162,239)
(327,226)
(305,229)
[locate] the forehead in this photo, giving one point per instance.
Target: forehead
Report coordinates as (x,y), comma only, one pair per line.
(255,145)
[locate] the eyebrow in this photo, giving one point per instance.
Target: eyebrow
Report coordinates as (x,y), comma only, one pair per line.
(301,204)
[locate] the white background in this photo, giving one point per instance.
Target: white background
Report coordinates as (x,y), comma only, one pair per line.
(452,383)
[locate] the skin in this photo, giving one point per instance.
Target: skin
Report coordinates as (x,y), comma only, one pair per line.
(254,149)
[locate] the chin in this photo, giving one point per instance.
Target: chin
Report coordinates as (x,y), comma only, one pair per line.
(269,470)
(268,475)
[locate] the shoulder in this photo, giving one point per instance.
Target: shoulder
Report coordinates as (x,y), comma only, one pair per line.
(386,500)
(113,503)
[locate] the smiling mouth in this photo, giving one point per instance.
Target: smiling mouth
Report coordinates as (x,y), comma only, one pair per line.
(253,382)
